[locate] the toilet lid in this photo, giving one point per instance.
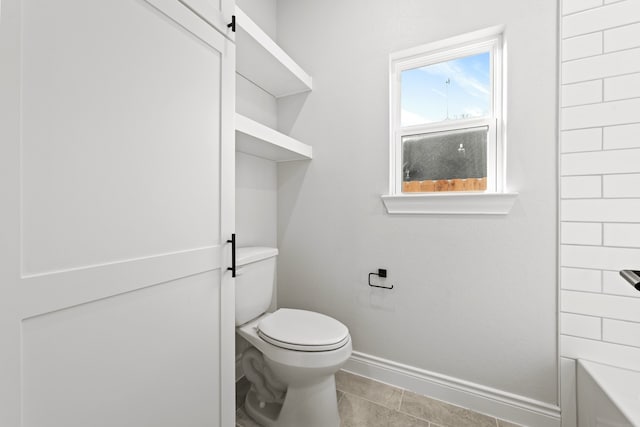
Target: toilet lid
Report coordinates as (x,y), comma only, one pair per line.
(303,330)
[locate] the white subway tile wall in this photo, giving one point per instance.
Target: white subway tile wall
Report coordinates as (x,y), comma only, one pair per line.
(581,233)
(581,187)
(621,38)
(624,136)
(581,140)
(581,279)
(582,93)
(581,326)
(572,6)
(621,87)
(582,46)
(623,185)
(600,180)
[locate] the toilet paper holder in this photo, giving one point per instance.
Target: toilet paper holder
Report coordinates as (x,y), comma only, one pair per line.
(381,273)
(632,276)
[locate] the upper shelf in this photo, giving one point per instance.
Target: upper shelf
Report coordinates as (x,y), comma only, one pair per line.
(262,141)
(260,60)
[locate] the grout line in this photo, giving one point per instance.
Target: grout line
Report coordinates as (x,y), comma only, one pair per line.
(580,151)
(606,76)
(615,27)
(564,15)
(617,99)
(611,101)
(587,268)
(604,52)
(584,104)
(588,81)
(584,315)
(581,244)
(578,58)
(599,293)
(604,198)
(604,173)
(368,400)
(603,246)
(602,339)
(601,195)
(401,399)
(417,418)
(629,346)
(580,176)
(420,418)
(603,223)
(604,79)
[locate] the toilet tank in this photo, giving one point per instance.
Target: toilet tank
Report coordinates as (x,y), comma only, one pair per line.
(255,275)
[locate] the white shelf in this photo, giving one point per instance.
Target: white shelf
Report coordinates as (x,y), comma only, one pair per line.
(260,60)
(262,141)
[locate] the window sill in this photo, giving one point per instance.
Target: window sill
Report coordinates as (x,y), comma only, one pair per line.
(450,203)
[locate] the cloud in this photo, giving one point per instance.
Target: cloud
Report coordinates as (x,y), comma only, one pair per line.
(459,76)
(409,118)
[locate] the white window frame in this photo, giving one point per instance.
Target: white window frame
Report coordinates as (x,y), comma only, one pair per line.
(488,40)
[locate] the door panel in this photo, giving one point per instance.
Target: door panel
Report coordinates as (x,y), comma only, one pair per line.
(116,168)
(216,12)
(103,356)
(132,124)
(48,292)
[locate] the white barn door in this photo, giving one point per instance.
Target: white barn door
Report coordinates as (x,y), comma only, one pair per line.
(116,186)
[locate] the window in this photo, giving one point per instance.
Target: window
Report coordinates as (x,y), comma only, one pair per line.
(446,116)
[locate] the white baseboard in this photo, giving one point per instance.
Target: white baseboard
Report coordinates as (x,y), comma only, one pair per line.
(487,400)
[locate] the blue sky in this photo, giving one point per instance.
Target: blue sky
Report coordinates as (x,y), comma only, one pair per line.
(425,93)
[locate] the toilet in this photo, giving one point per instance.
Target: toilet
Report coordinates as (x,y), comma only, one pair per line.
(295,353)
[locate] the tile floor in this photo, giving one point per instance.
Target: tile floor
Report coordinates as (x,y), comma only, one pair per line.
(363,402)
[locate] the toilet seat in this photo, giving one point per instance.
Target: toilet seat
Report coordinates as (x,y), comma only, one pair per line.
(303,330)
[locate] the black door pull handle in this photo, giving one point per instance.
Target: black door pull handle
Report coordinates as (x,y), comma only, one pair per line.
(233,255)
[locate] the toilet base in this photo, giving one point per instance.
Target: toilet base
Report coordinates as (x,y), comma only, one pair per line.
(266,416)
(313,405)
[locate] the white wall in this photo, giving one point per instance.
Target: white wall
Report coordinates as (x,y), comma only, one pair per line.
(600,180)
(256,178)
(256,201)
(475,297)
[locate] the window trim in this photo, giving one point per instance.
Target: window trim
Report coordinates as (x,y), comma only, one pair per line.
(456,47)
(450,203)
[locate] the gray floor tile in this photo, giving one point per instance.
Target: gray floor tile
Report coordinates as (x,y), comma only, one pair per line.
(374,391)
(357,412)
(443,413)
(366,403)
(398,419)
(503,423)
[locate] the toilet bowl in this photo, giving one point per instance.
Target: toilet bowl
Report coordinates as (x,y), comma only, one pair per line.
(301,351)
